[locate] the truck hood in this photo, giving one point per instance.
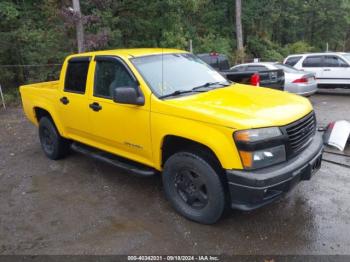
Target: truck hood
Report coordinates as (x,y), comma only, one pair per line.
(238,106)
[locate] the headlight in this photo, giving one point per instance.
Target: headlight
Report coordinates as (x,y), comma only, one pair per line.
(254,135)
(260,147)
(263,158)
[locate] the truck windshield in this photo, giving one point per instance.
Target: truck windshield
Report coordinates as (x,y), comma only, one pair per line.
(168,74)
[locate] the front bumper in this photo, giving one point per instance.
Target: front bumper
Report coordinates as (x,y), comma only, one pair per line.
(253,189)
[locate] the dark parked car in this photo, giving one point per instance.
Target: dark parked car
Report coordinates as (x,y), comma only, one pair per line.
(266,78)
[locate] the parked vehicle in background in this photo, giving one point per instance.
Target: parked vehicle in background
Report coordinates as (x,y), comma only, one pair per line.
(332,69)
(267,78)
(346,55)
(295,81)
(217,61)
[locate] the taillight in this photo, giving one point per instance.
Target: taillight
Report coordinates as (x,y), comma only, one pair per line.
(300,80)
(255,79)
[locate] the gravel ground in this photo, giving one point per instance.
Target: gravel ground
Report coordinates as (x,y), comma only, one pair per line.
(81,206)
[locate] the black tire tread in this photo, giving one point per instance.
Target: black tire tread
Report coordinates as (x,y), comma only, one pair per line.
(62,145)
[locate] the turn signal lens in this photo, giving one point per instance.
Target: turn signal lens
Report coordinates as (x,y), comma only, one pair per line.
(246,158)
(242,136)
(253,135)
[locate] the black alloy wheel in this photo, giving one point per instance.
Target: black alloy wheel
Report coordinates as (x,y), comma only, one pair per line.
(193,187)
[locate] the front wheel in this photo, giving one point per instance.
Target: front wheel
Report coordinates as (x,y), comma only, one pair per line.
(53,145)
(193,187)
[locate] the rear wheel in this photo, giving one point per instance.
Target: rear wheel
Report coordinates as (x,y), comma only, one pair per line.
(53,145)
(194,187)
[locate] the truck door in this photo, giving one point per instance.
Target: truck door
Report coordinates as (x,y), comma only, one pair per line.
(73,101)
(314,63)
(121,129)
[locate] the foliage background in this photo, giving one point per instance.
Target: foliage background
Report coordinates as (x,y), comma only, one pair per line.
(42,31)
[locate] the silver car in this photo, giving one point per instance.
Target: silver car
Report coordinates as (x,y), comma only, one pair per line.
(296,81)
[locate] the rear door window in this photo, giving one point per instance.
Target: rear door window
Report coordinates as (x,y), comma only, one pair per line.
(334,61)
(292,61)
(313,61)
(76,75)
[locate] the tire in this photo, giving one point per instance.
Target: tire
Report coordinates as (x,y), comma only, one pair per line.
(194,187)
(54,146)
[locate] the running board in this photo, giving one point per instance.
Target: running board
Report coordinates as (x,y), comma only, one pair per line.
(125,164)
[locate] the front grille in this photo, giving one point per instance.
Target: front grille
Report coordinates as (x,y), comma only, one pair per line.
(300,133)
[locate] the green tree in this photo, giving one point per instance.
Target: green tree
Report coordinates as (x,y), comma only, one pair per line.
(43,31)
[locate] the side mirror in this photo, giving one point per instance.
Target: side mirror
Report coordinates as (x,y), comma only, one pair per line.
(128,95)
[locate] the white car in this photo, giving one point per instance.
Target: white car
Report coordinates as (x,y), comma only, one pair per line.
(295,81)
(332,69)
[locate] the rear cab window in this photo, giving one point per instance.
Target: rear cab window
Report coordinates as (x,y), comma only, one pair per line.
(293,60)
(76,75)
(313,61)
(256,68)
(239,68)
(217,61)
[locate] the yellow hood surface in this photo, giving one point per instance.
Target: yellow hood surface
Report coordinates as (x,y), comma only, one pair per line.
(238,106)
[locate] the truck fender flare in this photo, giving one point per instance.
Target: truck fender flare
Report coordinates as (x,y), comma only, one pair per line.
(52,114)
(187,141)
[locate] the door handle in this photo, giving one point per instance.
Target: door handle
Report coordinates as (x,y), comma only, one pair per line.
(95,106)
(64,100)
(326,70)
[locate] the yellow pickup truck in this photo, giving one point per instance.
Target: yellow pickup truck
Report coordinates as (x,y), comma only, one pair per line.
(217,144)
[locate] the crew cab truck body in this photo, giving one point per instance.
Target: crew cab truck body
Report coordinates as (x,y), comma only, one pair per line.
(215,142)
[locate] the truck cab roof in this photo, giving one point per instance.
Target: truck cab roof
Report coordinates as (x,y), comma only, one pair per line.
(131,52)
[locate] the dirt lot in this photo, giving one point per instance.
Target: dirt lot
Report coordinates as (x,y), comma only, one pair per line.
(81,206)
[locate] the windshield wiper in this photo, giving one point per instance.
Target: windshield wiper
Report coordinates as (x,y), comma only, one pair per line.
(195,89)
(210,84)
(177,92)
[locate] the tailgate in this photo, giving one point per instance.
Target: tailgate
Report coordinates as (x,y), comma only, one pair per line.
(272,78)
(238,77)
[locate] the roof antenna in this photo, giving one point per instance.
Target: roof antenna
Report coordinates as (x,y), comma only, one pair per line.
(162,71)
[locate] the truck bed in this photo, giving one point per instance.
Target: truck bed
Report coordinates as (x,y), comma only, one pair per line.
(42,94)
(49,85)
(270,78)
